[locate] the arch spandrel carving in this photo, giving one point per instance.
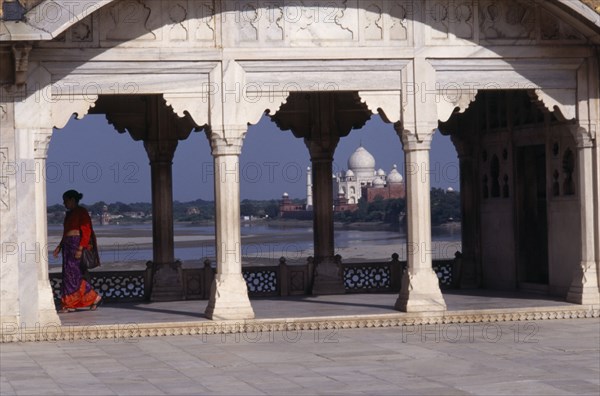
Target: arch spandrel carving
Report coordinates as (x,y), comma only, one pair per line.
(563,102)
(451,100)
(196,105)
(63,109)
(236,100)
(389,105)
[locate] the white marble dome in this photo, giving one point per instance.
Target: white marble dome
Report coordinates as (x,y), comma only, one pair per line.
(380,172)
(361,159)
(394,176)
(349,173)
(362,164)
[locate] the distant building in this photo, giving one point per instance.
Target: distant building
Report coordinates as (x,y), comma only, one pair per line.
(290,210)
(361,179)
(192,210)
(105,217)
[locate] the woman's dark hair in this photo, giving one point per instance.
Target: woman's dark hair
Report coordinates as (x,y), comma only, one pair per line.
(73,194)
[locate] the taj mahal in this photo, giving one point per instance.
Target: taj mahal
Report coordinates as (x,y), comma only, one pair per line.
(361,179)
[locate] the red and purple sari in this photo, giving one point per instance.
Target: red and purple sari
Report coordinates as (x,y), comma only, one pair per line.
(76,292)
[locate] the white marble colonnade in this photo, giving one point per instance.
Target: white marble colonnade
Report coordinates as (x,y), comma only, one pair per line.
(224,65)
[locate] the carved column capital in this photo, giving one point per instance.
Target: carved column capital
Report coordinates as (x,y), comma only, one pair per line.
(160,150)
(320,152)
(416,139)
(41,143)
(228,145)
(584,137)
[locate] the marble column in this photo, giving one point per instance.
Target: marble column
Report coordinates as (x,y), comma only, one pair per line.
(420,290)
(229,293)
(167,281)
(328,277)
(46,307)
(26,299)
(321,119)
(584,287)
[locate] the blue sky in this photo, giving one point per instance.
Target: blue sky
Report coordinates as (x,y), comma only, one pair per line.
(90,156)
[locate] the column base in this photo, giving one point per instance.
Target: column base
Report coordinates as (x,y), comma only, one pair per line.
(167,282)
(584,288)
(229,298)
(328,278)
(420,292)
(47,310)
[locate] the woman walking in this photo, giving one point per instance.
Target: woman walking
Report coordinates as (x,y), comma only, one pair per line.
(76,292)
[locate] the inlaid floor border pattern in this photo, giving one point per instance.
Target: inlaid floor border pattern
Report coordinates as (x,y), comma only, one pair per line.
(125,331)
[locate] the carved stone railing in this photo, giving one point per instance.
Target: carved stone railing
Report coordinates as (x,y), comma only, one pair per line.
(112,285)
(262,281)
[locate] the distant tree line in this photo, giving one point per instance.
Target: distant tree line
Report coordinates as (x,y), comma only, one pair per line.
(445,207)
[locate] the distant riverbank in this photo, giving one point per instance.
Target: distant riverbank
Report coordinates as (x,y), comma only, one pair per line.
(129,246)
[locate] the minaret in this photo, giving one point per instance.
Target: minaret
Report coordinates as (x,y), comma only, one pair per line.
(309,194)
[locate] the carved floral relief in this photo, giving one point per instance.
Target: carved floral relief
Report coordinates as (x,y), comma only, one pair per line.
(507,19)
(130,20)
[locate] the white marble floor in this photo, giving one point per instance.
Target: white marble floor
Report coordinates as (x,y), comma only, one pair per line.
(557,357)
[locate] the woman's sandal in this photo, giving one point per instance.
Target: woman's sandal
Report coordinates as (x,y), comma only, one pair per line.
(66,310)
(94,306)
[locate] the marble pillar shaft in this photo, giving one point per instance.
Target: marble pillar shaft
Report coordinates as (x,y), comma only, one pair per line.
(418,210)
(227,228)
(420,290)
(323,209)
(229,292)
(161,152)
(162,212)
(167,277)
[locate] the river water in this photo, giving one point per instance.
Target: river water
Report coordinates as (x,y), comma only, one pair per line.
(260,241)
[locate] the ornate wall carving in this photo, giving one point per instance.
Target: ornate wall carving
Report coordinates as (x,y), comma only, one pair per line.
(507,19)
(154,23)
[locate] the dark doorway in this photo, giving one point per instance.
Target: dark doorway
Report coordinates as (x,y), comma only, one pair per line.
(532,221)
